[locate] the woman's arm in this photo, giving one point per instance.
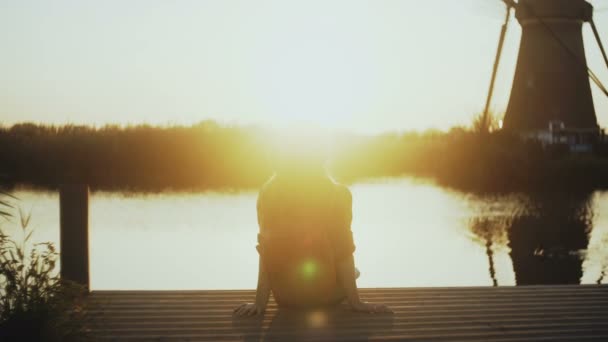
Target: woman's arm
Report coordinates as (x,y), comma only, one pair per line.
(262,294)
(345,247)
(347,279)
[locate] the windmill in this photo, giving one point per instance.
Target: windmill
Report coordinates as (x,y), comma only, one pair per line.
(551,84)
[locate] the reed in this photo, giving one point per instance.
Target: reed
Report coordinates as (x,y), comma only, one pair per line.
(209,156)
(35,304)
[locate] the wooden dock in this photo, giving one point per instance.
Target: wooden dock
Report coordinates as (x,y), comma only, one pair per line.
(501,314)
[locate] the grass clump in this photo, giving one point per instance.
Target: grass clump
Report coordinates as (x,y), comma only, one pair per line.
(35,304)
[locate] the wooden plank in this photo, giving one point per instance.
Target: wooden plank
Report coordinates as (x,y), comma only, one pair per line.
(502,314)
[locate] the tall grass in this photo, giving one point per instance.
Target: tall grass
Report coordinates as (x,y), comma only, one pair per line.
(5,206)
(35,304)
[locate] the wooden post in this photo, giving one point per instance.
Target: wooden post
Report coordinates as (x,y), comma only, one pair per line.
(74,233)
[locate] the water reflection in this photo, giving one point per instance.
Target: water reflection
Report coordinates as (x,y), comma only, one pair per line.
(407,234)
(489,232)
(547,243)
(547,236)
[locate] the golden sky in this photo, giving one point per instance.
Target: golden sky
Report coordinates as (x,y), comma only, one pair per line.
(363,66)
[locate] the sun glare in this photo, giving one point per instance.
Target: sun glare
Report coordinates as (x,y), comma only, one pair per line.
(302,141)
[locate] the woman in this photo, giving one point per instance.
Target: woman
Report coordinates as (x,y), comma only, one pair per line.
(305,242)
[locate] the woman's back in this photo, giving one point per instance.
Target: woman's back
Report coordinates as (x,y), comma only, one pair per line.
(304,229)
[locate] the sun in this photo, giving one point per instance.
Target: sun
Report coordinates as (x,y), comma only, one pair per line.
(301,142)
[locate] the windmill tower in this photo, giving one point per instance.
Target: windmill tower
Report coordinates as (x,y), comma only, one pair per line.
(551,89)
(551,83)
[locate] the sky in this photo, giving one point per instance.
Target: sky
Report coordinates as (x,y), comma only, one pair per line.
(361,66)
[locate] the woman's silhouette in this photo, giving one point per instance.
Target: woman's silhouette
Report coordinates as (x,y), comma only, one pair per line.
(305,242)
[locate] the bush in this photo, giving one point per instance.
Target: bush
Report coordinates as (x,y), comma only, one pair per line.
(35,304)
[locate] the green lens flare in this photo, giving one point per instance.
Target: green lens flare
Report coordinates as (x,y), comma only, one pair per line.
(309,269)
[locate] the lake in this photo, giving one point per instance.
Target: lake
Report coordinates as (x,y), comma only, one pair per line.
(407,234)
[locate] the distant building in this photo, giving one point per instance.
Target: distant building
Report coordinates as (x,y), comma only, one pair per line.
(577,139)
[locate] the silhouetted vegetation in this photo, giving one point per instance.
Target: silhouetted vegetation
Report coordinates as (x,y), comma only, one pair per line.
(5,206)
(35,304)
(205,156)
(209,156)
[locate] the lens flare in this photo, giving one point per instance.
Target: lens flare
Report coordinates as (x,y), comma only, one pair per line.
(317,319)
(309,269)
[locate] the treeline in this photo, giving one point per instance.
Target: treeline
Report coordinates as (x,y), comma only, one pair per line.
(466,160)
(204,156)
(208,156)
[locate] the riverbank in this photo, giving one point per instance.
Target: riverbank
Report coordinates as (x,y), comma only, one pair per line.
(209,156)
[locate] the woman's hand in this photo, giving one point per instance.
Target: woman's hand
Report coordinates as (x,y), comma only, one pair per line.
(249,309)
(370,307)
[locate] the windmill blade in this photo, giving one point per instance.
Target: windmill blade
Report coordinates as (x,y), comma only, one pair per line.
(599,41)
(501,41)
